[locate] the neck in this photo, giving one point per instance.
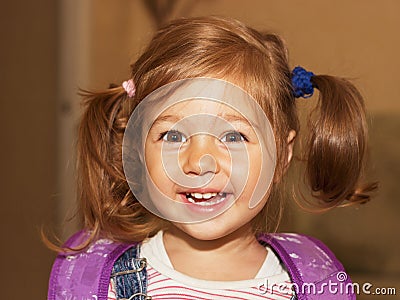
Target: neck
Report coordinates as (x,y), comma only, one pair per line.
(217,259)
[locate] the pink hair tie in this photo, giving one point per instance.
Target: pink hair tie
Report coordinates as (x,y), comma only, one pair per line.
(129,87)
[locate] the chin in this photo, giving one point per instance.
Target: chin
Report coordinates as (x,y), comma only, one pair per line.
(208,230)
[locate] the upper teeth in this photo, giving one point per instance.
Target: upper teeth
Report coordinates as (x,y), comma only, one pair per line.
(207,196)
(202,196)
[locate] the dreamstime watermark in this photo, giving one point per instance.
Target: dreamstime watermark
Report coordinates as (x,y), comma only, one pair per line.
(340,286)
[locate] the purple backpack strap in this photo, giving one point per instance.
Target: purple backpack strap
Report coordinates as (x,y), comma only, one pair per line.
(84,275)
(315,271)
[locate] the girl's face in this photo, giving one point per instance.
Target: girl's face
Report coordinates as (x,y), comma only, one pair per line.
(206,159)
(201,153)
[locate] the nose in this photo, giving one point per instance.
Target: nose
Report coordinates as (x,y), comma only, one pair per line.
(201,155)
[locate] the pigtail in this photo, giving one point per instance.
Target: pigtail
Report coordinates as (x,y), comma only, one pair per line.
(109,209)
(337,144)
(96,174)
(95,167)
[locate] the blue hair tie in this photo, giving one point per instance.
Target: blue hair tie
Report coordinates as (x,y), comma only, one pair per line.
(301,82)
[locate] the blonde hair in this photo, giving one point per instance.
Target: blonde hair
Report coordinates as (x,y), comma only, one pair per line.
(223,48)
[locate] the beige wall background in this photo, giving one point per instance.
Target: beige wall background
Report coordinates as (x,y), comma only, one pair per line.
(50,48)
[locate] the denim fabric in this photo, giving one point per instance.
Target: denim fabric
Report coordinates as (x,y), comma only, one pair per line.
(130,275)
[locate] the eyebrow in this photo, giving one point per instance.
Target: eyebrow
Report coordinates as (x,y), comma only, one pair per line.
(177,118)
(233,118)
(168,118)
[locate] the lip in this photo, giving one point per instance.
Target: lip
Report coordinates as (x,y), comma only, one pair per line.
(209,208)
(209,189)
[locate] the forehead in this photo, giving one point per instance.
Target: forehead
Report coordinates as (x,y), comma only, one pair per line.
(200,106)
(198,96)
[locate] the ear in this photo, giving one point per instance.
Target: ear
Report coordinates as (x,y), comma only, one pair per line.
(290,144)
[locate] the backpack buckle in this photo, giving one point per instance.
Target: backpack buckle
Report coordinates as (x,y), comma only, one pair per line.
(138,294)
(142,265)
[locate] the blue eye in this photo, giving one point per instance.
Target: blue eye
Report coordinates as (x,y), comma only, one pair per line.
(233,137)
(173,136)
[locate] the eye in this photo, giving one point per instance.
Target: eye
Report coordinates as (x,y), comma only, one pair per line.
(173,136)
(233,137)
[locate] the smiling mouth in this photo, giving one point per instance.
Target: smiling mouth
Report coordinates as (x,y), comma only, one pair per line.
(206,199)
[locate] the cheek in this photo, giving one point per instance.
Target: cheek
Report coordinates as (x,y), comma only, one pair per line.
(154,165)
(255,162)
(250,174)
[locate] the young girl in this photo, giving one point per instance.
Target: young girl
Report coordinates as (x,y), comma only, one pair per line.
(181,170)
